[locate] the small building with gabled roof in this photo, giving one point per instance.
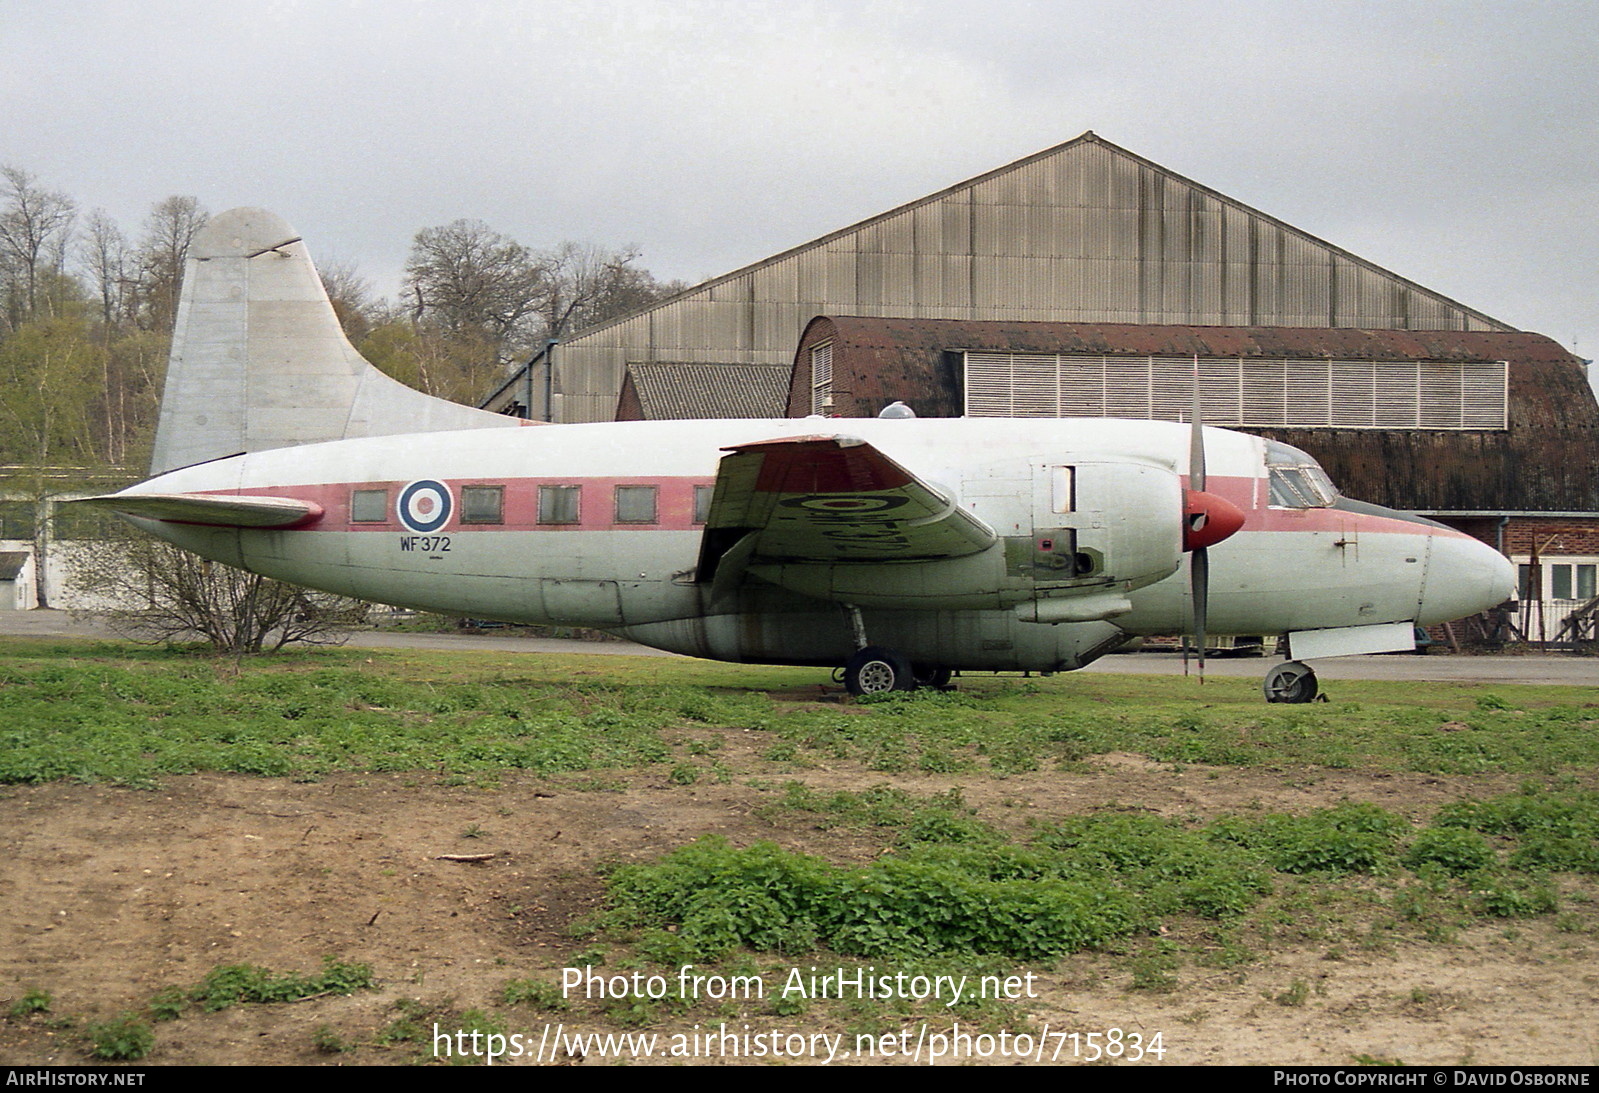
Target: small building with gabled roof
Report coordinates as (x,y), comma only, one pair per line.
(677,390)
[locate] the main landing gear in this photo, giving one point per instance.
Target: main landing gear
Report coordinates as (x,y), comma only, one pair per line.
(876,669)
(1291,681)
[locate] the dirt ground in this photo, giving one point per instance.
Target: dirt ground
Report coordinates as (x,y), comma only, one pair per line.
(107,895)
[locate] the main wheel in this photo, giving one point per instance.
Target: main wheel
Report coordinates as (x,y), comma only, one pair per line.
(1290,682)
(875,670)
(935,676)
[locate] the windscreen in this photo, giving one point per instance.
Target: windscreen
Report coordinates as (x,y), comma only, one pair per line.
(1297,480)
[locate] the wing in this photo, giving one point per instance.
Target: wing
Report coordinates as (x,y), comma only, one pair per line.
(205,508)
(828,500)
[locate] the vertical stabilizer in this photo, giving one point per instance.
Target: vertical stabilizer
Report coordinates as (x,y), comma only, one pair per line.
(259,360)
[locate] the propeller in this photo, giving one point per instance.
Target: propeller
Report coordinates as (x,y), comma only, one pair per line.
(1207,520)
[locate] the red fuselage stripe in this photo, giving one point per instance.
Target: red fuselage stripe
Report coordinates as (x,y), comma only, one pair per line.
(675,498)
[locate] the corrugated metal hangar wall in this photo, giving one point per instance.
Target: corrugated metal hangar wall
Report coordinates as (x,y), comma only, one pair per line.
(1084,232)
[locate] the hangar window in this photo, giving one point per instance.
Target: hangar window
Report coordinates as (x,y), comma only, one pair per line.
(822,378)
(482,504)
(635,504)
(560,504)
(702,503)
(369,506)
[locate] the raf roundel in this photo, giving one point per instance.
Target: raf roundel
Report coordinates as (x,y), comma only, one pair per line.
(425,506)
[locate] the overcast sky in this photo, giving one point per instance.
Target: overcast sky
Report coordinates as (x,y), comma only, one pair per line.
(1456,144)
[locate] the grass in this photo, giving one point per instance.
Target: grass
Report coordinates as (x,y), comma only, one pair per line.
(931,882)
(947,883)
(116,713)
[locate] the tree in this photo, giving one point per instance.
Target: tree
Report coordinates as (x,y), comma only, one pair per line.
(452,367)
(158,593)
(169,231)
(35,226)
(108,259)
(466,279)
(50,370)
(586,285)
(351,297)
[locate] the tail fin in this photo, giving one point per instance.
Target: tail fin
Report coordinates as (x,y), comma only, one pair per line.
(259,360)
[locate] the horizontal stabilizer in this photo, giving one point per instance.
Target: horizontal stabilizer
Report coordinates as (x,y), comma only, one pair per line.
(212,509)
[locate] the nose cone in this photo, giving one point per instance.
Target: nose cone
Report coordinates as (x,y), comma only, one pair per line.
(1464,576)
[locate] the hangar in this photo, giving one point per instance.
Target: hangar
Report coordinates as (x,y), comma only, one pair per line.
(1085,280)
(1082,232)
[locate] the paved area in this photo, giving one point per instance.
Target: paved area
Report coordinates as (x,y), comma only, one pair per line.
(1532,668)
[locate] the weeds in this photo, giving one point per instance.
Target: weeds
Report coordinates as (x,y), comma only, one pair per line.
(33,1001)
(126,1038)
(232,984)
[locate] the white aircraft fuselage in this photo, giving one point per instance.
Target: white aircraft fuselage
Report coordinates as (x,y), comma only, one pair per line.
(1291,567)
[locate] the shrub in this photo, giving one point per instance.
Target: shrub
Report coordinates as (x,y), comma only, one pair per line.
(1450,849)
(125,1038)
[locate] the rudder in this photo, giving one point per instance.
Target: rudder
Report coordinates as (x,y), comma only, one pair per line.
(259,360)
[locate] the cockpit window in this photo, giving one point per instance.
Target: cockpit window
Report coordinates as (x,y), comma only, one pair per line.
(1297,481)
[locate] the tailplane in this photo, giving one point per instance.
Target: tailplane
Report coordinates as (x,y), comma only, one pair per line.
(259,360)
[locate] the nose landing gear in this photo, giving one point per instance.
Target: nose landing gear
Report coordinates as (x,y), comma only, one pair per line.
(1291,681)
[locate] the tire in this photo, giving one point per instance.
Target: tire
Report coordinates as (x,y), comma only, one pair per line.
(876,670)
(1290,682)
(935,676)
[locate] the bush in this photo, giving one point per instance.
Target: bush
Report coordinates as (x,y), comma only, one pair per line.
(161,594)
(125,1038)
(1452,850)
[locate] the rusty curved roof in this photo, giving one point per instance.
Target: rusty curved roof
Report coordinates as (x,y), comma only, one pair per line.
(1218,341)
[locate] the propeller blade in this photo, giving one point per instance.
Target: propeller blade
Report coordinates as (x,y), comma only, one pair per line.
(1195,531)
(1199,580)
(1196,440)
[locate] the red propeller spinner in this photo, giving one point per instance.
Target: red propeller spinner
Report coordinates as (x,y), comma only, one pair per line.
(1208,519)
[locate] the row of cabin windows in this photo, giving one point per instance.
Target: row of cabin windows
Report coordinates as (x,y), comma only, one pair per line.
(557,505)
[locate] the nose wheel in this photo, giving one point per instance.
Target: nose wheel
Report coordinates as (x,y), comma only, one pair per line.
(1291,681)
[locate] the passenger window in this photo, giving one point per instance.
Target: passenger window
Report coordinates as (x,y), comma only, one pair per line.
(559,504)
(482,504)
(369,506)
(635,504)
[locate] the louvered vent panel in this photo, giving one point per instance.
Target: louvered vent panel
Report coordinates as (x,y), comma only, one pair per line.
(1126,384)
(1245,391)
(1485,394)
